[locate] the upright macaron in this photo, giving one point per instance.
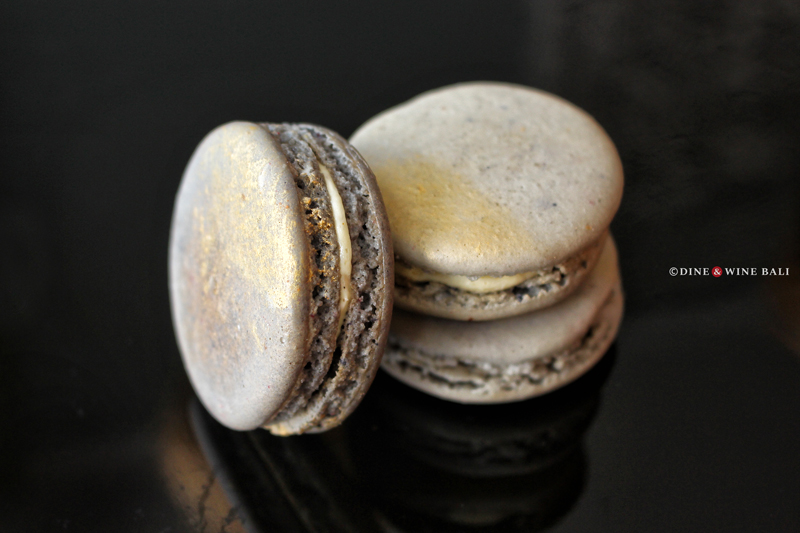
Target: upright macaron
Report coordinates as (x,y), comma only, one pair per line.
(513,358)
(499,197)
(280,276)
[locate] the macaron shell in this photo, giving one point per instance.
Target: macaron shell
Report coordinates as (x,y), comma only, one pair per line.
(238,272)
(491,179)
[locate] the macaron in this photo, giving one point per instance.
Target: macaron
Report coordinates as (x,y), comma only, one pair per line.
(499,197)
(280,276)
(513,358)
(479,441)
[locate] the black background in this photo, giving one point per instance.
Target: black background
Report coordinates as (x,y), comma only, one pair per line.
(102,104)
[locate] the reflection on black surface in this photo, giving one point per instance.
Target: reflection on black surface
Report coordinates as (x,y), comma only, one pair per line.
(409,462)
(194,485)
(783,294)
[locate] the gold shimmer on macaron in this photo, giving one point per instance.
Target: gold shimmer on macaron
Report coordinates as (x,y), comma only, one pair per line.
(443,210)
(232,234)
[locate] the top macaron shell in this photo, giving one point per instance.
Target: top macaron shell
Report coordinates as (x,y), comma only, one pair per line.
(491,179)
(238,275)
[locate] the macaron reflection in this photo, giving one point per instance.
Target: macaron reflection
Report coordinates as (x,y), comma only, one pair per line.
(406,461)
(516,467)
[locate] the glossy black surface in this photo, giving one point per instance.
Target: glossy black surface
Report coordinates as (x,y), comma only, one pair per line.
(691,424)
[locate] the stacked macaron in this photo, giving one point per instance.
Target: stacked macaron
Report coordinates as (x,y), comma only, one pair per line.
(499,200)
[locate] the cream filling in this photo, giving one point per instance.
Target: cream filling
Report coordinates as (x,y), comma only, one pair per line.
(477,284)
(345,247)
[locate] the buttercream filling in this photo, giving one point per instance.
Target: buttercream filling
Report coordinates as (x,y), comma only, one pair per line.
(476,284)
(345,247)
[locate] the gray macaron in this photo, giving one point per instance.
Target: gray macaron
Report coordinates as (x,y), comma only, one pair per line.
(499,197)
(280,275)
(513,358)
